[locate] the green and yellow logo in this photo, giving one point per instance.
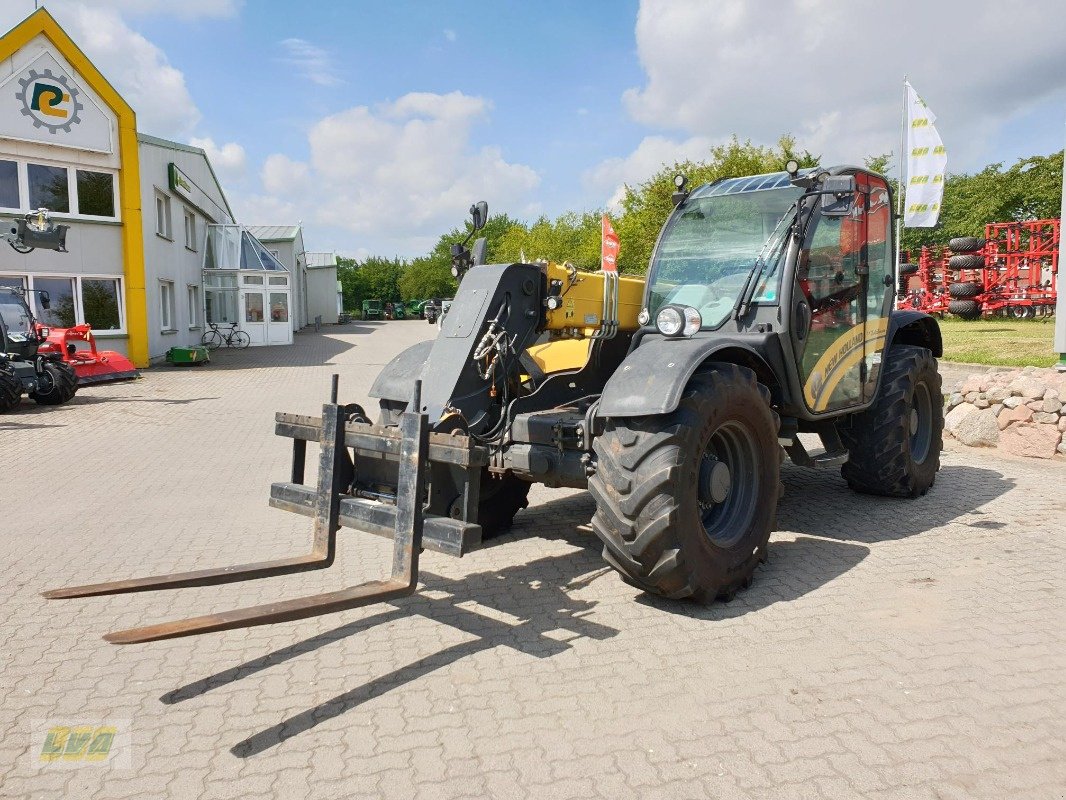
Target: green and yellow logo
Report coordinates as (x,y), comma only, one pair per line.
(50,101)
(84,743)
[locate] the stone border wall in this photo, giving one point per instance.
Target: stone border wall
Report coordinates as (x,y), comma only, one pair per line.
(1019,411)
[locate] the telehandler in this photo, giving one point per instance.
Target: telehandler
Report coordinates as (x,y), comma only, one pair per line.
(767,312)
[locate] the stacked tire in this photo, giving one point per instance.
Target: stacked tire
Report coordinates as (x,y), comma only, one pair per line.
(966,255)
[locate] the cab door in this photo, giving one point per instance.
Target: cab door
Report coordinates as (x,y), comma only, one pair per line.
(831,277)
(880,287)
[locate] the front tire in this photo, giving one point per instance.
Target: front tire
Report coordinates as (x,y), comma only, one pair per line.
(894,446)
(10,391)
(60,384)
(685,502)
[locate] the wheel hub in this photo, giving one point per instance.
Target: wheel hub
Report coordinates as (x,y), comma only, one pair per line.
(715,481)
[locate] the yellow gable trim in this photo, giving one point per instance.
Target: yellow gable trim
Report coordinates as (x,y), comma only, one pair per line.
(41,23)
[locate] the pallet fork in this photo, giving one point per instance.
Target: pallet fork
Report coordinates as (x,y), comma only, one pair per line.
(335,476)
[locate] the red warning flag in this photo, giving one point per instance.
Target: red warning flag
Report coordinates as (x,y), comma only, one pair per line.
(609,251)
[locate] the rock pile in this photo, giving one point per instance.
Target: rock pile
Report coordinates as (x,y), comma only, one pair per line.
(1019,411)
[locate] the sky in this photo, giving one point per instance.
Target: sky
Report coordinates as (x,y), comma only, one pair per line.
(377,124)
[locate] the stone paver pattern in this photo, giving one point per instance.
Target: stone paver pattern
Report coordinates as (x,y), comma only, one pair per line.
(889,649)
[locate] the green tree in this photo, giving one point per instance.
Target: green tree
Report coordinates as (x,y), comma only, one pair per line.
(425,278)
(646,206)
(1030,189)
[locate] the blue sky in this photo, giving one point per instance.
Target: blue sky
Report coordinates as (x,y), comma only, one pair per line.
(377,124)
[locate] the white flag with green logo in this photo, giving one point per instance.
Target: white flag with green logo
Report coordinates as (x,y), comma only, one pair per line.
(927,163)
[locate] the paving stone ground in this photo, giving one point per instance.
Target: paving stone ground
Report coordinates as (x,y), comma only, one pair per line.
(889,649)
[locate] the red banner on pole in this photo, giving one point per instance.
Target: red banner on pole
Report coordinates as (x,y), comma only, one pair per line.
(610,246)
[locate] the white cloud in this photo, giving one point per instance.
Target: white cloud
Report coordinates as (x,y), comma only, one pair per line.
(450,35)
(832,72)
(229,159)
(137,68)
(313,62)
(394,176)
(608,179)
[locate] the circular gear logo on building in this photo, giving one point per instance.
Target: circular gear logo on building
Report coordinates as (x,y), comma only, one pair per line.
(49,100)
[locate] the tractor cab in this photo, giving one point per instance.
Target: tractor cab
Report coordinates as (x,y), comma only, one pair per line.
(794,269)
(18,332)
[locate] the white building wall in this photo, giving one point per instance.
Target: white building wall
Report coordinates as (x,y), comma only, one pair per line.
(171,261)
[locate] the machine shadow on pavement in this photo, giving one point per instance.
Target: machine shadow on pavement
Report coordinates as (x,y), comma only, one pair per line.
(538,592)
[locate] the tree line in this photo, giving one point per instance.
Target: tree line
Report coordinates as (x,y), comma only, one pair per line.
(1028,189)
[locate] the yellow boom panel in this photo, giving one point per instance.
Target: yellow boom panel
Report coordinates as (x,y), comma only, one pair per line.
(582,300)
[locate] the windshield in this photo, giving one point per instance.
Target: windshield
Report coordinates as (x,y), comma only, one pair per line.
(16,317)
(710,247)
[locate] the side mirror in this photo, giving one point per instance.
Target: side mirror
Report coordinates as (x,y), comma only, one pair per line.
(480,213)
(46,301)
(480,247)
(838,194)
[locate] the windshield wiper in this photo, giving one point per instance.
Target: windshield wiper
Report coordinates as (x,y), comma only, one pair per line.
(740,308)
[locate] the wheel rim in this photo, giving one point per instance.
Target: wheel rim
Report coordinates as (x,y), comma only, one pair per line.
(46,383)
(921,423)
(728,484)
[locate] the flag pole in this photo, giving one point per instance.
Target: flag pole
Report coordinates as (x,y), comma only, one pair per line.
(899,189)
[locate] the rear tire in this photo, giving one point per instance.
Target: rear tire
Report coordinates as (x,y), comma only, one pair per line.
(240,339)
(908,269)
(965,309)
(894,446)
(10,391)
(501,498)
(64,385)
(965,290)
(212,340)
(671,520)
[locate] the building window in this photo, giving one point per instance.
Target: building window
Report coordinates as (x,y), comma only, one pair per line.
(166,305)
(9,184)
(78,300)
(275,253)
(162,215)
(190,230)
(96,193)
(49,188)
(279,280)
(194,305)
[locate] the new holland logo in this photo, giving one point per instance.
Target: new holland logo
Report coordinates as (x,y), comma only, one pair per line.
(49,101)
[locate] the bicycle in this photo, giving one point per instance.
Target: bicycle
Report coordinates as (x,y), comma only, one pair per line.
(214,338)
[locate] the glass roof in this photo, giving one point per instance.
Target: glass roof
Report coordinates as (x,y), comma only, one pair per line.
(751,183)
(232,247)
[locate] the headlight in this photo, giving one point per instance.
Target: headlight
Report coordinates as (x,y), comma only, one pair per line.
(678,321)
(669,321)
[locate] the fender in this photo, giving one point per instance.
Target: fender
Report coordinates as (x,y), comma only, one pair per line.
(653,376)
(917,328)
(397,378)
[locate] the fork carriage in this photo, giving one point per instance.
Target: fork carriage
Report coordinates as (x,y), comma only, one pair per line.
(342,498)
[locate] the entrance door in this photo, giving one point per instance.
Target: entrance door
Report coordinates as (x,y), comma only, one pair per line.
(279,328)
(254,309)
(830,277)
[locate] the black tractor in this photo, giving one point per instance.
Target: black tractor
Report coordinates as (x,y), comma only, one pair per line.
(45,378)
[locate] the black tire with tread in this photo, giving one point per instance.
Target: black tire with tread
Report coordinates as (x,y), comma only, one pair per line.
(966,244)
(965,309)
(965,290)
(967,261)
(65,384)
(880,460)
(501,498)
(10,391)
(645,487)
(908,269)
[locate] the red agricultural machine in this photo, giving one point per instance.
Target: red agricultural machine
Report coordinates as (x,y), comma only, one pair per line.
(1011,272)
(90,365)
